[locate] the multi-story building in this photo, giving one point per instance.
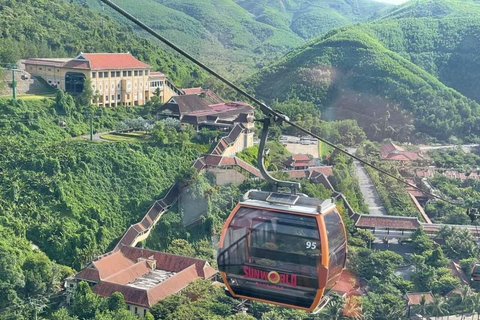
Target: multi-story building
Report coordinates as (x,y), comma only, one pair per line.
(116,78)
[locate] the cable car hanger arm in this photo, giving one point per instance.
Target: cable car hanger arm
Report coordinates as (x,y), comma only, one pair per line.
(294,186)
(269,112)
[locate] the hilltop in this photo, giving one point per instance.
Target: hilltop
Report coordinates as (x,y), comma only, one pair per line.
(235,37)
(351,73)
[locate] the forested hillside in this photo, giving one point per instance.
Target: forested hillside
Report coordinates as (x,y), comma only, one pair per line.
(349,73)
(441,36)
(236,37)
(30,28)
(70,198)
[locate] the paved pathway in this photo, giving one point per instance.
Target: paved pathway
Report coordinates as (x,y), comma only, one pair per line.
(465,147)
(368,189)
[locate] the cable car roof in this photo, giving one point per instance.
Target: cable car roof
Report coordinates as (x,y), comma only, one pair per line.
(280,201)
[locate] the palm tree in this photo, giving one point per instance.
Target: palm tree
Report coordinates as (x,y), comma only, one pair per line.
(352,308)
(335,307)
(438,307)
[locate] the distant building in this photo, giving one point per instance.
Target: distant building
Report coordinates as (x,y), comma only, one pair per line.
(117,78)
(143,276)
(299,162)
(349,285)
(203,108)
(392,152)
(415,299)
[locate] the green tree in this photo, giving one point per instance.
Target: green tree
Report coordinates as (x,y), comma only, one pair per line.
(116,302)
(85,302)
(86,97)
(181,247)
(421,241)
(436,258)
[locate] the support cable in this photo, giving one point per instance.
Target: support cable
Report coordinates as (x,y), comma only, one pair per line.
(275,115)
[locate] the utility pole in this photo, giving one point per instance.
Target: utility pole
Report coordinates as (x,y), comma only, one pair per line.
(14,86)
(13,68)
(91,127)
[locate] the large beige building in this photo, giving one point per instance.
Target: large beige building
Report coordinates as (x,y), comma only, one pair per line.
(117,78)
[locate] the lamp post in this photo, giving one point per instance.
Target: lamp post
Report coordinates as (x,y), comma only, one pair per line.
(13,68)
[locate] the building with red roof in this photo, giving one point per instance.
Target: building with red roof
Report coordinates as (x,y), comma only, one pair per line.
(143,276)
(203,108)
(298,162)
(117,78)
(392,152)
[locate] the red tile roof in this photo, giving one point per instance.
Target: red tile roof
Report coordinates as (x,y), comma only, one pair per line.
(415,298)
(115,271)
(391,151)
(193,90)
(405,223)
(100,61)
(300,157)
(349,285)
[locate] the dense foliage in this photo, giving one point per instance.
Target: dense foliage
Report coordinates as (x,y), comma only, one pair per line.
(70,198)
(455,159)
(237,36)
(57,28)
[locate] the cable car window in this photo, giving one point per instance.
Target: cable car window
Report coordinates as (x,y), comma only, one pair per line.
(337,246)
(272,255)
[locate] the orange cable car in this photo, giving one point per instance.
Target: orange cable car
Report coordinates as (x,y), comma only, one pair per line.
(283,249)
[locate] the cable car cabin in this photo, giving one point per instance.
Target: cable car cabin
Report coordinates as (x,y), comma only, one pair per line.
(283,249)
(476,272)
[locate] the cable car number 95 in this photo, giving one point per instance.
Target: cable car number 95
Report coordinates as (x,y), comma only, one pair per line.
(311,245)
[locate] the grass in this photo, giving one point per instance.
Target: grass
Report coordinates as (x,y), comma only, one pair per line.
(139,136)
(32,96)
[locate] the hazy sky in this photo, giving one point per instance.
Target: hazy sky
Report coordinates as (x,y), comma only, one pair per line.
(393,1)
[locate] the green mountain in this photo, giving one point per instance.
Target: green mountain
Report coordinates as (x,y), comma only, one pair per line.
(351,72)
(441,36)
(235,37)
(30,28)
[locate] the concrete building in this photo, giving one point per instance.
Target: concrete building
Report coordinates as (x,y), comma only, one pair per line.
(117,78)
(143,276)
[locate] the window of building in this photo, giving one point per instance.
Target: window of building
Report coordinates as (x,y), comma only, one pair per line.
(130,73)
(93,86)
(113,97)
(94,74)
(100,86)
(146,72)
(100,74)
(40,68)
(124,73)
(135,73)
(152,84)
(58,70)
(140,73)
(160,83)
(112,74)
(49,69)
(113,86)
(105,74)
(144,312)
(118,97)
(128,307)
(141,84)
(129,86)
(106,98)
(117,74)
(136,310)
